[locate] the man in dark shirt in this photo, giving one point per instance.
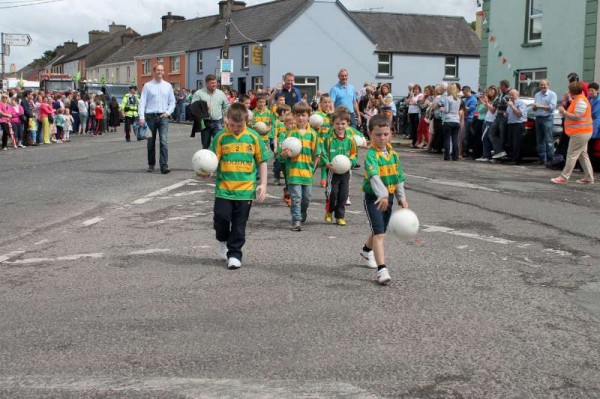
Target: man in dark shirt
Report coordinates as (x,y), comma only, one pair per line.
(75,110)
(292,94)
(498,130)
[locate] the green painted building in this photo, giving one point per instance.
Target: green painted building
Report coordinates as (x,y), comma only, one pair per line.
(525,41)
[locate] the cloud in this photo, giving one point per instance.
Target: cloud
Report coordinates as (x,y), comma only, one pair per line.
(52,24)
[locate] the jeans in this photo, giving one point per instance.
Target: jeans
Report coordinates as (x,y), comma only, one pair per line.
(300,195)
(75,121)
(83,121)
(451,137)
(5,134)
(92,123)
(353,120)
(498,133)
(414,125)
(129,120)
(160,125)
(467,138)
(18,131)
(230,218)
(544,138)
(211,127)
(515,135)
(487,143)
(40,132)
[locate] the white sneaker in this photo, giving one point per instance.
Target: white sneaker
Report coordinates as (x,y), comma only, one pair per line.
(370,258)
(222,250)
(383,276)
(348,201)
(59,141)
(482,160)
(234,263)
(499,155)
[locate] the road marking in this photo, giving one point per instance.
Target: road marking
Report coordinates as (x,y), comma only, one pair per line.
(455,183)
(81,256)
(30,260)
(447,230)
(90,222)
(187,387)
(176,218)
(149,251)
(9,255)
(41,242)
(162,191)
(557,252)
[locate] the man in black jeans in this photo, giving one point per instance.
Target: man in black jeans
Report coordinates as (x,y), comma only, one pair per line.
(75,111)
(217,107)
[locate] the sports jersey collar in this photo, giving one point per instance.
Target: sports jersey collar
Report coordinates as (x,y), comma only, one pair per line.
(236,135)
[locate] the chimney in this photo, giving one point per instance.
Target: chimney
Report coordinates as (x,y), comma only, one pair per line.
(70,46)
(479,17)
(128,36)
(237,5)
(60,50)
(95,35)
(170,19)
(114,28)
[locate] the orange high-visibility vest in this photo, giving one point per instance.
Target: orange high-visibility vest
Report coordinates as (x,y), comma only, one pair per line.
(583,126)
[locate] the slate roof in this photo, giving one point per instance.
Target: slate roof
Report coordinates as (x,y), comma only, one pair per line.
(97,51)
(131,49)
(421,34)
(260,22)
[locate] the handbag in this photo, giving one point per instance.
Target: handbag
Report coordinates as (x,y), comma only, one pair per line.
(50,119)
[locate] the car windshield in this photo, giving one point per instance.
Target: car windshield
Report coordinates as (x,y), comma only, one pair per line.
(59,85)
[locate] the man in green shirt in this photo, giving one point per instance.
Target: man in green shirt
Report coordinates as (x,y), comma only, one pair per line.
(217,108)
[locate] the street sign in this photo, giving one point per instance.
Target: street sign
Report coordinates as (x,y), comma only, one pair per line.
(227,65)
(6,49)
(17,39)
(226,78)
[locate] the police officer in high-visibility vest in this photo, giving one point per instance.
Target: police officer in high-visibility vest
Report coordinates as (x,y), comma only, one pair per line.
(129,108)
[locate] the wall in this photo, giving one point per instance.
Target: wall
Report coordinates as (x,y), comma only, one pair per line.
(177,79)
(561,51)
(330,40)
(95,73)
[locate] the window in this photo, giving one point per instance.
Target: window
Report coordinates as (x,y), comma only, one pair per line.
(384,64)
(176,85)
(528,81)
(257,82)
(160,60)
(535,12)
(117,76)
(145,67)
(106,75)
(199,84)
(128,73)
(307,84)
(245,57)
(175,64)
(451,67)
(199,62)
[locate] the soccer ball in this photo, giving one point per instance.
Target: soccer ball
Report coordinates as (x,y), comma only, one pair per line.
(404,224)
(250,115)
(261,127)
(341,164)
(204,162)
(360,141)
(315,121)
(293,144)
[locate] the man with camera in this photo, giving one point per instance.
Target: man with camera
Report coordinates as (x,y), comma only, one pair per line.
(498,130)
(129,109)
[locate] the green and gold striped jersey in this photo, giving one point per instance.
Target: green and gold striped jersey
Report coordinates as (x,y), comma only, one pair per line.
(386,164)
(300,169)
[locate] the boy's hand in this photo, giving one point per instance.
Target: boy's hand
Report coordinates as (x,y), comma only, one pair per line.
(286,153)
(330,167)
(403,203)
(261,192)
(382,203)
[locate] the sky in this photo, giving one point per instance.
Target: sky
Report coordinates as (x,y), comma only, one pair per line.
(52,22)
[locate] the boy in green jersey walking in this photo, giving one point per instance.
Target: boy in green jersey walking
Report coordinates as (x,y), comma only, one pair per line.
(241,153)
(338,186)
(384,179)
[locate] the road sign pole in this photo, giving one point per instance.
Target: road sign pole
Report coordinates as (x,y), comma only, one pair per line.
(2,45)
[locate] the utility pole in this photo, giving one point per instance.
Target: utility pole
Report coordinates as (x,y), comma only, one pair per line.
(2,49)
(227,28)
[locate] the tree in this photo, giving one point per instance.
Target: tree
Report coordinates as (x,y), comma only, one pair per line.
(46,57)
(473,25)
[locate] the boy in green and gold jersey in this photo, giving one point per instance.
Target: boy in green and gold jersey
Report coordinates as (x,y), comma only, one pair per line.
(325,111)
(384,179)
(241,154)
(338,186)
(279,164)
(264,114)
(300,169)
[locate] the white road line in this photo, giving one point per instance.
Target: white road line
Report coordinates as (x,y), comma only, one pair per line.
(454,183)
(81,256)
(557,252)
(41,242)
(9,255)
(90,222)
(149,251)
(176,218)
(163,191)
(31,260)
(447,230)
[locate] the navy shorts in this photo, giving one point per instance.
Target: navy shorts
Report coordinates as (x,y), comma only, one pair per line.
(378,220)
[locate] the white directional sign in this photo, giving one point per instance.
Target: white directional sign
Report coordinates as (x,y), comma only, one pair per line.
(17,39)
(6,49)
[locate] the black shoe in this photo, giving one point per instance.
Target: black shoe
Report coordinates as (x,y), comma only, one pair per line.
(165,171)
(150,169)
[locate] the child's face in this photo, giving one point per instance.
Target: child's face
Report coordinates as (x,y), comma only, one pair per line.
(325,104)
(301,119)
(283,114)
(236,127)
(281,101)
(262,103)
(387,113)
(380,136)
(289,125)
(246,102)
(340,126)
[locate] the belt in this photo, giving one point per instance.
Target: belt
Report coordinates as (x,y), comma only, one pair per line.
(154,113)
(544,116)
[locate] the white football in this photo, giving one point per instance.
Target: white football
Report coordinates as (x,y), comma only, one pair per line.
(404,224)
(293,144)
(315,121)
(250,115)
(261,127)
(341,164)
(204,162)
(360,141)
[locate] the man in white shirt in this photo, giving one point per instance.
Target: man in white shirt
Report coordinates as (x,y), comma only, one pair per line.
(157,103)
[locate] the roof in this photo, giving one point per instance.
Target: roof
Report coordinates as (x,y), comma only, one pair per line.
(420,34)
(97,51)
(131,49)
(209,32)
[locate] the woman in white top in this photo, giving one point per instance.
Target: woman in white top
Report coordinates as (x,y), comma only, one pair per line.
(451,107)
(414,101)
(488,99)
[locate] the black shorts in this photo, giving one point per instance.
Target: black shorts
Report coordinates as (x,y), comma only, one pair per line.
(378,220)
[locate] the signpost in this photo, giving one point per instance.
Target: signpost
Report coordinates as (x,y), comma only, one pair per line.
(11,39)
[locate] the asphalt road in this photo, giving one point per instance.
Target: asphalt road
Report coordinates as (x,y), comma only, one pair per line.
(110,287)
